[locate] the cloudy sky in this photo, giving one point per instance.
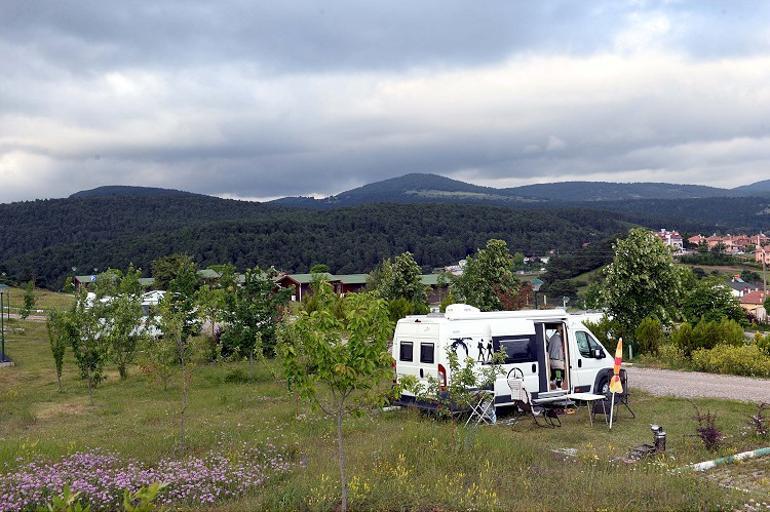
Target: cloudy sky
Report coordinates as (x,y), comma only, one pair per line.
(241,98)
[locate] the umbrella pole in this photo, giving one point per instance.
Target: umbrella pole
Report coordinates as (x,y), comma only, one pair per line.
(612,409)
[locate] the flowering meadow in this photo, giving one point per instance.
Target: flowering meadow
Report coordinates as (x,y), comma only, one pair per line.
(102,477)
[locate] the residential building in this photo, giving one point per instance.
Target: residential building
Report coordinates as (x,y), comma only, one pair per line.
(754,304)
(762,254)
(671,239)
(352,283)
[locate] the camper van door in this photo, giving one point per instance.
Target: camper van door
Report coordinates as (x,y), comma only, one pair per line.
(523,350)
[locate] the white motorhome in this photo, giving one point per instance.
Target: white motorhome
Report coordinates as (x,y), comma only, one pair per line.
(420,345)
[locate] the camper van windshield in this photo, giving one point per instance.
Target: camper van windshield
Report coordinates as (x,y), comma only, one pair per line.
(518,349)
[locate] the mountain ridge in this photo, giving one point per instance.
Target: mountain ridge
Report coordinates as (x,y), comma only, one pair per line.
(414,188)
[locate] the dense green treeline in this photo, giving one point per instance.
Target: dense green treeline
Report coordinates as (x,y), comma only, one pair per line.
(117,232)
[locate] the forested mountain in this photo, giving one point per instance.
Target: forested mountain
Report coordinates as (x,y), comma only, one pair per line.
(604,191)
(760,187)
(127,191)
(47,238)
(431,188)
(114,226)
(411,188)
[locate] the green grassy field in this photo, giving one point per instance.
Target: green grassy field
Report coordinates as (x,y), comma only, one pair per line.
(399,460)
(45,300)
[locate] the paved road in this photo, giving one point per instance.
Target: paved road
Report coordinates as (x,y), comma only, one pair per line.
(698,385)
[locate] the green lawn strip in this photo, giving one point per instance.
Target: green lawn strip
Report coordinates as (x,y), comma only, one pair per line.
(399,461)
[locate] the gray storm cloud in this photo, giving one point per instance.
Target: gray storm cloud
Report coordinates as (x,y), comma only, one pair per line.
(259,100)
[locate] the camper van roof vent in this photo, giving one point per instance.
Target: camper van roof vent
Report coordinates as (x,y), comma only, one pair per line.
(457,310)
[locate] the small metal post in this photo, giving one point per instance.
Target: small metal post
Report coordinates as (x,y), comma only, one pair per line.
(2,326)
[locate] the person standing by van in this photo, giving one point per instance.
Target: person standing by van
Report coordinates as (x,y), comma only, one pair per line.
(556,356)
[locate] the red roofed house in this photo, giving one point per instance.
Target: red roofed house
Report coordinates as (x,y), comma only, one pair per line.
(754,304)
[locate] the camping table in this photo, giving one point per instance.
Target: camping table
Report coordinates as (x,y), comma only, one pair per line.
(482,408)
(589,399)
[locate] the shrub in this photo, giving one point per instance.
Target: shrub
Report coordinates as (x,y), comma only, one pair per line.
(649,336)
(707,335)
(671,355)
(763,342)
(684,340)
(746,360)
(707,430)
(758,422)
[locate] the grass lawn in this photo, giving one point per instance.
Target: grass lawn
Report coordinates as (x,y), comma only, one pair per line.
(399,460)
(45,300)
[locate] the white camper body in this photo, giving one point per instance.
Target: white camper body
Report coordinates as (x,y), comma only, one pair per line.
(420,345)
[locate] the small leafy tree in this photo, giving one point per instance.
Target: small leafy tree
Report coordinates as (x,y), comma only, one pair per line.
(29,299)
(172,323)
(159,359)
(258,307)
(400,278)
(487,278)
(167,268)
(60,334)
(649,336)
(710,298)
(319,268)
(211,303)
(338,358)
(643,281)
(88,346)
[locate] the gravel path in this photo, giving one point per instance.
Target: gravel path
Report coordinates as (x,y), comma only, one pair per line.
(698,385)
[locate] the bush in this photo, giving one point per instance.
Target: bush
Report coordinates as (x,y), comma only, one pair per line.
(649,336)
(672,356)
(684,340)
(763,342)
(707,335)
(746,360)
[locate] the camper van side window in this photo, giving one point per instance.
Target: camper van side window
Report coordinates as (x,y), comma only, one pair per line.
(406,352)
(518,349)
(426,353)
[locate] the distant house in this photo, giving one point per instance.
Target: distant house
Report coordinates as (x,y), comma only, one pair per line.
(762,255)
(342,284)
(731,244)
(754,304)
(352,283)
(671,239)
(739,288)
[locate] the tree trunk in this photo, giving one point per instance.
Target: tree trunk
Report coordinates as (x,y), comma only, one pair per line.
(58,380)
(123,371)
(341,456)
(90,382)
(185,401)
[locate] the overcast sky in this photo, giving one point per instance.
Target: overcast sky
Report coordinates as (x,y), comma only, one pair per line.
(264,99)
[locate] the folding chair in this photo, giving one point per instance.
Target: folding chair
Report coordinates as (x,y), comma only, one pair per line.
(523,400)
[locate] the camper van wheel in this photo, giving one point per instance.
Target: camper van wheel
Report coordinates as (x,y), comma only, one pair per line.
(603,386)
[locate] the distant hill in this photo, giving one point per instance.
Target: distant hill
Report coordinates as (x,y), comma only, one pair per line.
(47,238)
(410,189)
(605,191)
(758,188)
(431,188)
(128,191)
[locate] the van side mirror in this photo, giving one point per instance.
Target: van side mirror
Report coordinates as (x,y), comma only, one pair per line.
(598,353)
